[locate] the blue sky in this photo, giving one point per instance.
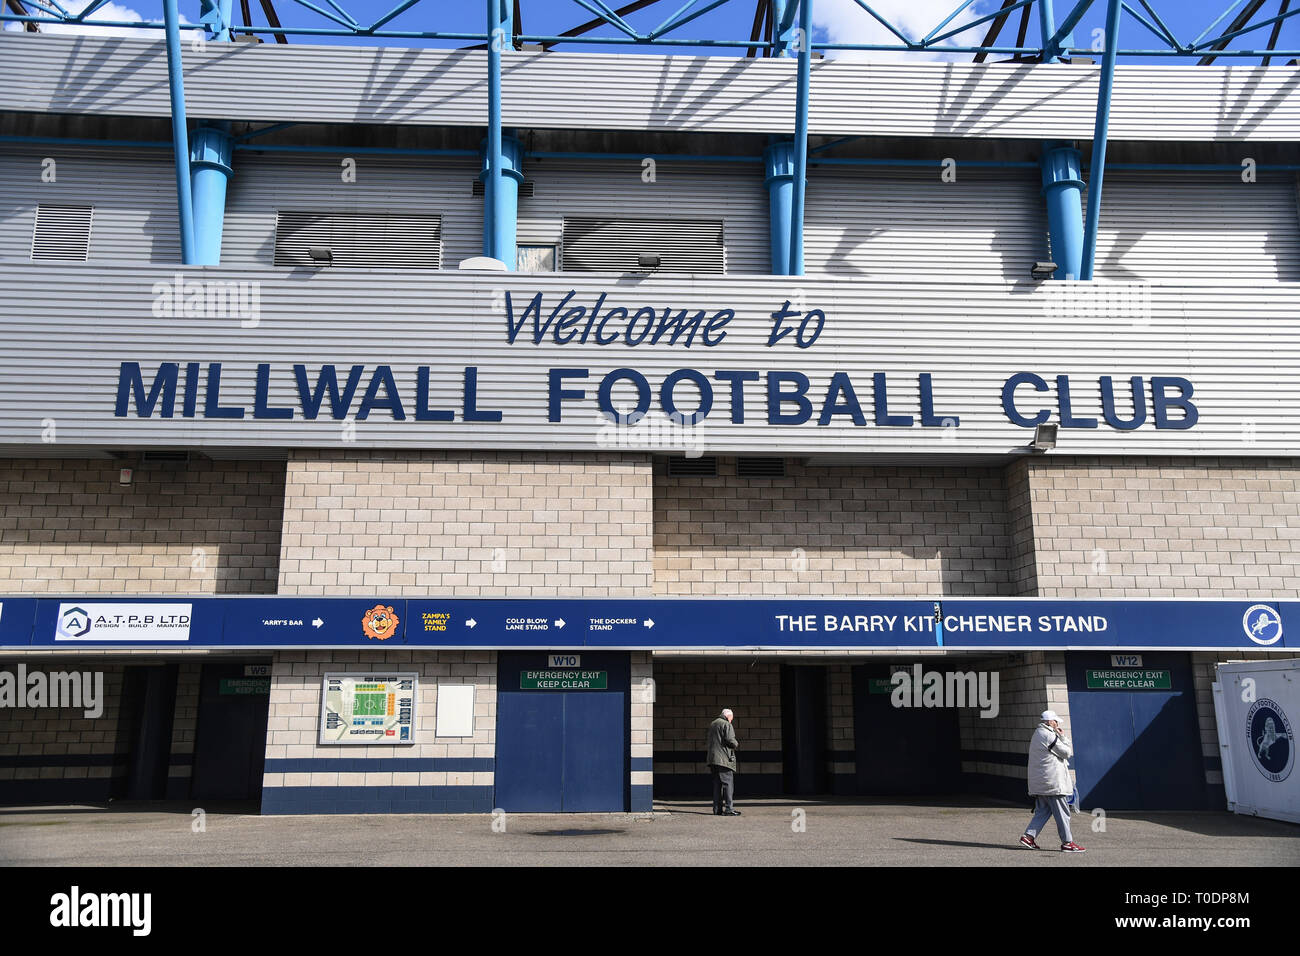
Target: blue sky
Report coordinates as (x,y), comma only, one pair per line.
(840,21)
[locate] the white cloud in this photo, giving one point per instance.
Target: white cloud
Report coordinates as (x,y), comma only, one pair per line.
(109,11)
(846,22)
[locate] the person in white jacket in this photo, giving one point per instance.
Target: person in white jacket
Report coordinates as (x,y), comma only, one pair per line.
(1049,782)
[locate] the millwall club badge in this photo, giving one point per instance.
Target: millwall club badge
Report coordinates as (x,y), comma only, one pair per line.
(1272,744)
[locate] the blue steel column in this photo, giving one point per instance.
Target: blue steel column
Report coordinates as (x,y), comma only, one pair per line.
(778,162)
(1097,170)
(1047,26)
(782,26)
(1063,190)
(180,137)
(501,223)
(498,220)
(211,149)
(801,137)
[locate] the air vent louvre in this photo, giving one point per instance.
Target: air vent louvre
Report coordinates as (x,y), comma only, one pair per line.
(705,466)
(62,232)
(615,245)
(525,189)
(360,240)
(760,467)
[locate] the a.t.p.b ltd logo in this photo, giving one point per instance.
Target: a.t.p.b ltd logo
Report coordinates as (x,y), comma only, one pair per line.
(1272,744)
(1262,624)
(74,622)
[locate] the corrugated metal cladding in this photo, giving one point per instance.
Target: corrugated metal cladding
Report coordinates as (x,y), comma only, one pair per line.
(639,91)
(133,193)
(619,245)
(374,240)
(878,223)
(1191,226)
(1238,343)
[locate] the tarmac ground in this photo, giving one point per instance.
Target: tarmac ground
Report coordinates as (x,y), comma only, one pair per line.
(785,832)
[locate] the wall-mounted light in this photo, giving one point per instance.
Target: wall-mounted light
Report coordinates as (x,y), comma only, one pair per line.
(649,260)
(321,253)
(1043,270)
(1044,438)
(124,476)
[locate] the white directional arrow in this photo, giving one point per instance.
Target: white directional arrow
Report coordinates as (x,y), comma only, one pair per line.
(648,623)
(318,623)
(470,622)
(559,622)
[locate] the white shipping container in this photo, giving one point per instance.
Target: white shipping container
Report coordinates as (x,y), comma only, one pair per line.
(1257,707)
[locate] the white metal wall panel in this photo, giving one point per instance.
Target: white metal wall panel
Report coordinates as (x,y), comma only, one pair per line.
(133,192)
(263,183)
(880,224)
(1238,344)
(1179,226)
(301,83)
(734,194)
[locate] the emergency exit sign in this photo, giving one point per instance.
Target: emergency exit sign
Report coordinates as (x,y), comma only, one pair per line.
(563,680)
(1130,678)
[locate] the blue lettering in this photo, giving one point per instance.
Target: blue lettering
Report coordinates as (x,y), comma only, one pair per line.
(777,396)
(422,411)
(605,395)
(327,380)
(719,321)
(556,393)
(472,414)
(1108,404)
(737,381)
(928,418)
(130,381)
(1009,399)
(212,407)
(261,396)
(383,375)
(1160,402)
(881,397)
(841,384)
(670,406)
(1067,418)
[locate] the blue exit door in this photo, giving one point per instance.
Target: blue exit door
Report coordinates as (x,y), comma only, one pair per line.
(1136,749)
(562,750)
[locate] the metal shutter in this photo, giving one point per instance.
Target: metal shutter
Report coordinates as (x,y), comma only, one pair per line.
(613,245)
(62,232)
(365,240)
(526,188)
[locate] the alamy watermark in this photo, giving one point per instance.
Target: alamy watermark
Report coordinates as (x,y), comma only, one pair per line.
(208,299)
(79,690)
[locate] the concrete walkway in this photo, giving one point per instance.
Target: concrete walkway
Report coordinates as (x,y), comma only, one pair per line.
(677,833)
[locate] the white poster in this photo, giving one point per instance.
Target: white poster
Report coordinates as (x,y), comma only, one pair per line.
(455,711)
(368,708)
(96,621)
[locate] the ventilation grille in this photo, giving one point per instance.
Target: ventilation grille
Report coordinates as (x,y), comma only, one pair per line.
(609,245)
(62,232)
(703,467)
(760,467)
(525,189)
(374,240)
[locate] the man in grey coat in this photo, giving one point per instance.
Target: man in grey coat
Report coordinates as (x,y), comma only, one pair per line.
(1049,782)
(722,764)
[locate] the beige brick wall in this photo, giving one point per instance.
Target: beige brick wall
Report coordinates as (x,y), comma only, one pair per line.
(1028,684)
(31,733)
(1160,527)
(832,530)
(467,523)
(293,722)
(205,527)
(691,693)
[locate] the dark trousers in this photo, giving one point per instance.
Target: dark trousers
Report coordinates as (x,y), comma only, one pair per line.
(724,785)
